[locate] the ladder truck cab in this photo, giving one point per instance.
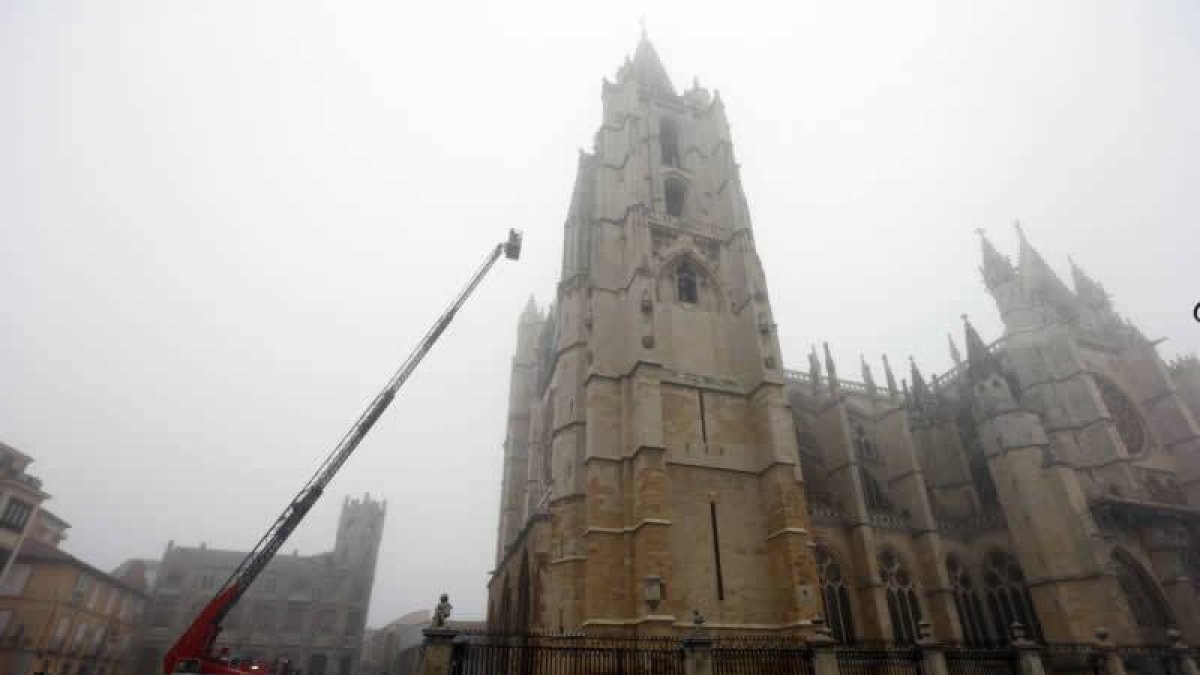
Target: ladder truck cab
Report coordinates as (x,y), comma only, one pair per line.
(193,650)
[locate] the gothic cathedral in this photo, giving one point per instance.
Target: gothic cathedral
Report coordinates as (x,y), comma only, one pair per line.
(660,461)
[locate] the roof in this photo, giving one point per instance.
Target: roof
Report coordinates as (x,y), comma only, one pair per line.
(43,512)
(33,550)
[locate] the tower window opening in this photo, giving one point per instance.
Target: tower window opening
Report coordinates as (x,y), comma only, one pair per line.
(675,191)
(716,539)
(685,283)
(668,134)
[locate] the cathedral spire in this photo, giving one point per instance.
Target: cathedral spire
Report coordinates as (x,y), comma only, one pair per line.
(648,68)
(1091,293)
(868,378)
(891,379)
(830,368)
(920,390)
(1039,278)
(980,361)
(954,353)
(530,313)
(996,268)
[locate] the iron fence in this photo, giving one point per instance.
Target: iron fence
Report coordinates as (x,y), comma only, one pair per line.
(1072,658)
(1150,660)
(981,661)
(763,659)
(882,661)
(566,656)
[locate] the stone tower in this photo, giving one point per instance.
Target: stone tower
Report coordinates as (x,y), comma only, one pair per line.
(360,528)
(650,462)
(1094,452)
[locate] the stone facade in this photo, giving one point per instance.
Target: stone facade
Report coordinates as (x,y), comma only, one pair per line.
(310,610)
(659,459)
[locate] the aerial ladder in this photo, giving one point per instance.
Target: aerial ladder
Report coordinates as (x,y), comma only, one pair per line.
(193,651)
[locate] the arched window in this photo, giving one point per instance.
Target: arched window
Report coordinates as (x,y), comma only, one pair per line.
(675,191)
(1124,415)
(522,618)
(1141,592)
(966,601)
(505,607)
(669,139)
(903,608)
(686,289)
(1008,597)
(834,596)
(862,443)
(876,498)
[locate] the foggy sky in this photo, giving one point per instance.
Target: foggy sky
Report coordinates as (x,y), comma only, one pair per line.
(225,224)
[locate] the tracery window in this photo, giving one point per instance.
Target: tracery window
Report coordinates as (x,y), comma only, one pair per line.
(685,283)
(874,495)
(1141,592)
(1008,597)
(669,139)
(903,608)
(862,443)
(834,596)
(966,601)
(674,191)
(1124,415)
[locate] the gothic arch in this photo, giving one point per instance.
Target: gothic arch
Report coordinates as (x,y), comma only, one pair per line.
(708,292)
(1124,414)
(1008,598)
(966,602)
(522,610)
(505,610)
(835,594)
(900,589)
(1142,594)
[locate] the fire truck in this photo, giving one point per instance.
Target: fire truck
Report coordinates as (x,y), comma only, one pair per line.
(193,650)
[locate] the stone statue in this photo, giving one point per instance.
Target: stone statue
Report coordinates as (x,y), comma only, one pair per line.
(442,612)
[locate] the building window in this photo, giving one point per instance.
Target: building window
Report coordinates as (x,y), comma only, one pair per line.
(1141,592)
(14,583)
(353,619)
(316,664)
(874,495)
(16,514)
(862,443)
(668,134)
(686,289)
(1124,415)
(344,664)
(1008,597)
(966,601)
(293,619)
(903,608)
(207,581)
(675,191)
(834,596)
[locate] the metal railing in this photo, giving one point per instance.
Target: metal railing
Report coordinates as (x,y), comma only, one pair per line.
(1072,658)
(981,661)
(749,659)
(879,661)
(538,655)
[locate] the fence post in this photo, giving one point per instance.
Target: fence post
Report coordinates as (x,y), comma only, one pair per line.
(697,648)
(1110,660)
(1029,653)
(824,650)
(438,651)
(1183,653)
(933,658)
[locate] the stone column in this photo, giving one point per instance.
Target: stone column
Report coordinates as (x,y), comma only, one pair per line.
(697,655)
(1029,653)
(824,653)
(1183,654)
(933,658)
(1110,660)
(438,651)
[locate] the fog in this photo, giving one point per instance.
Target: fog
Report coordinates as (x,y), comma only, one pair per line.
(225,223)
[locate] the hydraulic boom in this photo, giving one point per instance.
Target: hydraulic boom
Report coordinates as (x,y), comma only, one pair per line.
(192,652)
